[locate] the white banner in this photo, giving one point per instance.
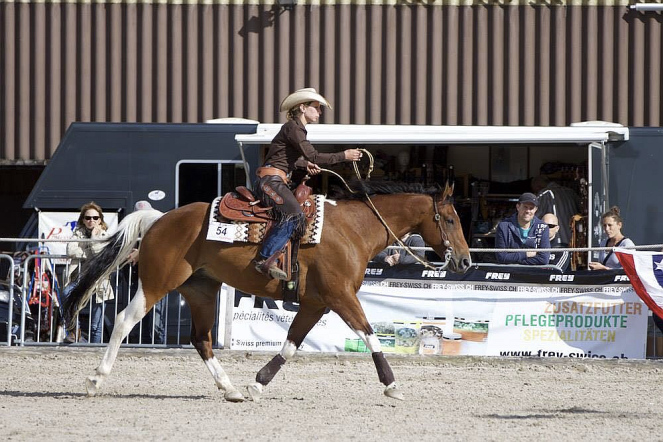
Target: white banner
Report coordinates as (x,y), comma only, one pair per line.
(465,318)
(60,225)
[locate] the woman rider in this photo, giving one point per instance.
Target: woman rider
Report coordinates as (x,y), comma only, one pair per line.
(291,150)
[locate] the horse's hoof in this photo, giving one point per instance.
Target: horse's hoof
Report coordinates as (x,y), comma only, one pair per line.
(255,391)
(233,396)
(92,386)
(393,392)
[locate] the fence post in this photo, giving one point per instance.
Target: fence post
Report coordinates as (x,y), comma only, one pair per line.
(10,313)
(228,317)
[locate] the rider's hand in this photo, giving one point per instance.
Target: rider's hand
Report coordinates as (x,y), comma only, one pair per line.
(313,169)
(353,154)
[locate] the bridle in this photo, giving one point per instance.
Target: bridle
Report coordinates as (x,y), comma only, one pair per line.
(443,235)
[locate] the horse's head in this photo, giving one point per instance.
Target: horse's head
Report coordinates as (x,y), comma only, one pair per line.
(437,223)
(443,232)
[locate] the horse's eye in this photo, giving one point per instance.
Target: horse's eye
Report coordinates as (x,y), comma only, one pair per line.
(449,221)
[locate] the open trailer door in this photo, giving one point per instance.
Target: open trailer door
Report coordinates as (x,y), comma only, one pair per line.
(597,194)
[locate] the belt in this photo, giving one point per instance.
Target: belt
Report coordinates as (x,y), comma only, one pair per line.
(271,171)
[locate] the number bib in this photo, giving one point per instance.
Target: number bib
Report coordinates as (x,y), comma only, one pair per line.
(221,232)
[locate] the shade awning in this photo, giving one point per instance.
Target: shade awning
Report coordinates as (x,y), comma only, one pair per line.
(400,134)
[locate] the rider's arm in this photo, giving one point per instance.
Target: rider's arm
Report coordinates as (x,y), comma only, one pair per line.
(297,136)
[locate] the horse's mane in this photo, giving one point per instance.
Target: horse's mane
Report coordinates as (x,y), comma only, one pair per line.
(363,188)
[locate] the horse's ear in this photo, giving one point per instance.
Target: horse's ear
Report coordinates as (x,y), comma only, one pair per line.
(448,190)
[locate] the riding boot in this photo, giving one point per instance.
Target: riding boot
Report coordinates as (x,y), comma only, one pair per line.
(272,245)
(269,268)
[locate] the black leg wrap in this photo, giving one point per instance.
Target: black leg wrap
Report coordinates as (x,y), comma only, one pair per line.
(267,373)
(385,374)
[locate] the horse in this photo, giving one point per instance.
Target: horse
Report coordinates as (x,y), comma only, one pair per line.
(175,255)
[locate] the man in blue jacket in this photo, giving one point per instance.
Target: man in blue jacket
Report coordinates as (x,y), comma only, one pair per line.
(523,230)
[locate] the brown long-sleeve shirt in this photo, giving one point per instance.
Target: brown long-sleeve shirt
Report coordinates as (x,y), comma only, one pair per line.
(291,150)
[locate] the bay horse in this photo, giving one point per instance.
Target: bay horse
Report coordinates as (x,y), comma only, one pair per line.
(175,255)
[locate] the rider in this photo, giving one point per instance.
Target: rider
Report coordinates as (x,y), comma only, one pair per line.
(291,150)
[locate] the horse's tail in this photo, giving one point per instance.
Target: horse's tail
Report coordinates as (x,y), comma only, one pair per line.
(115,252)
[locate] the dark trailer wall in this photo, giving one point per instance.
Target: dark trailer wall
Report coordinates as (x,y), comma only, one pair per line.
(635,167)
(118,164)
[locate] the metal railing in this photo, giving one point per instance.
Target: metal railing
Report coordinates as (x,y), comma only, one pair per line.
(10,300)
(41,287)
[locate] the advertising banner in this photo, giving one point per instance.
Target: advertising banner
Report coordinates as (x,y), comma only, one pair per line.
(479,313)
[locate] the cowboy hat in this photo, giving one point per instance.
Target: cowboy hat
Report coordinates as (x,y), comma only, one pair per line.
(303,96)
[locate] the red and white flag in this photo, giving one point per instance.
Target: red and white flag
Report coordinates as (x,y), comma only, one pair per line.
(645,270)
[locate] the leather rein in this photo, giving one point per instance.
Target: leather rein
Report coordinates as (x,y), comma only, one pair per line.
(437,218)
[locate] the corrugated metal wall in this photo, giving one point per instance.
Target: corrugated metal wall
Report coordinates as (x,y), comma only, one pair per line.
(418,63)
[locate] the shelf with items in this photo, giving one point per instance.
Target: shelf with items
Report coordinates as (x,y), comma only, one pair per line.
(488,209)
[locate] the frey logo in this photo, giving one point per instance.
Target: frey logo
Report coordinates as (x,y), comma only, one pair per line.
(560,278)
(622,278)
(498,275)
(433,273)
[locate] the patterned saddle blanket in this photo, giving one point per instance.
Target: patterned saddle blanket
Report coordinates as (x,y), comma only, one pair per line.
(235,218)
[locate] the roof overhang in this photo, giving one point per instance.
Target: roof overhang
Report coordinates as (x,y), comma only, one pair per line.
(399,134)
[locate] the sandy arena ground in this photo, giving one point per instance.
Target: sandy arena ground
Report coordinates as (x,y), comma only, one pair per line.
(169,395)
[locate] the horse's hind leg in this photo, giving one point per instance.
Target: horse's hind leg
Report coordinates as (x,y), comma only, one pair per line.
(200,293)
(307,316)
(124,323)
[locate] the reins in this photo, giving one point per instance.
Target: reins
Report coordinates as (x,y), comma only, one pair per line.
(437,217)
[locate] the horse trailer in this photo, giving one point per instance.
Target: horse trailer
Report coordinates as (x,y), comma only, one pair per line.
(117,164)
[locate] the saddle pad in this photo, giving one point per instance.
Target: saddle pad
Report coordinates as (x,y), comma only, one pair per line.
(221,229)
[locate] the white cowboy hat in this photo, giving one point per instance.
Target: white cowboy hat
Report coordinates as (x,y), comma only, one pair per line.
(303,96)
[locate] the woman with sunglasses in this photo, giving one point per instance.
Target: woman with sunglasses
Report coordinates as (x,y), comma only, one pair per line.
(290,150)
(90,225)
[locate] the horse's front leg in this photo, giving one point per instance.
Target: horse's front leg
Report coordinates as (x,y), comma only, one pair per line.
(352,313)
(304,320)
(385,374)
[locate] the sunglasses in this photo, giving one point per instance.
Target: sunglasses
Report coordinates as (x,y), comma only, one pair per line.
(89,218)
(552,226)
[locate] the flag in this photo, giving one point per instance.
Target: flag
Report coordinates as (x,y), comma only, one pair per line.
(645,270)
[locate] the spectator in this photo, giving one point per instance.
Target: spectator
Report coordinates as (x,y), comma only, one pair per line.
(561,258)
(561,201)
(153,324)
(90,225)
(523,230)
(612,226)
(399,256)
